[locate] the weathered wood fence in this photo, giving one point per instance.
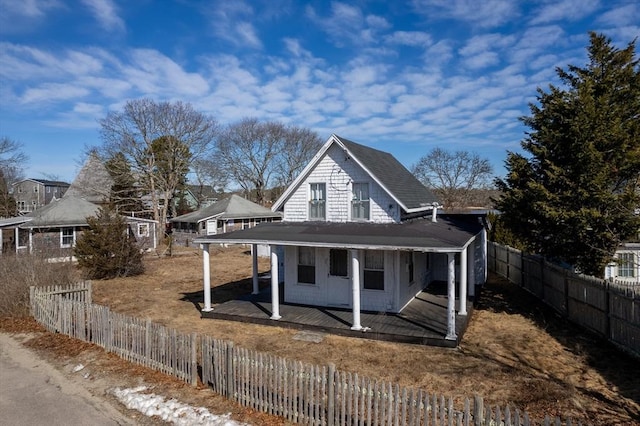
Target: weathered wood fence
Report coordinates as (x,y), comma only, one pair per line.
(610,309)
(301,393)
(67,310)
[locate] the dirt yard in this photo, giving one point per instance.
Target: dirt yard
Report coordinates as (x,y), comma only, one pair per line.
(515,351)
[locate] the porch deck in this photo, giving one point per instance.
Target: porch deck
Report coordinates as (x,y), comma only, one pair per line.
(423,321)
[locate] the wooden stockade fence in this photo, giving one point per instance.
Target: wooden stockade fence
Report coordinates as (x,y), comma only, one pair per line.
(611,309)
(301,393)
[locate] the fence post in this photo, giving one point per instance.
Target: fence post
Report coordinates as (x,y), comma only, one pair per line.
(194,359)
(230,378)
(478,410)
(147,341)
(331,394)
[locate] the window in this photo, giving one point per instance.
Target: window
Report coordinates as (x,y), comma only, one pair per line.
(35,189)
(627,265)
(143,230)
(23,238)
(306,265)
(339,263)
(48,190)
(374,270)
(360,201)
(67,237)
(22,205)
(317,203)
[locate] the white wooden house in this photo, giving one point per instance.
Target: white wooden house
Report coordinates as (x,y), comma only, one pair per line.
(359,231)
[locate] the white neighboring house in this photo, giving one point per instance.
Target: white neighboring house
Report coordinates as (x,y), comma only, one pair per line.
(627,266)
(359,231)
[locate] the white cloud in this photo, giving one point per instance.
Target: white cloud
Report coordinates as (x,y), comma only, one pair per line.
(564,10)
(487,13)
(348,25)
(105,12)
(232,21)
(621,16)
(52,92)
(409,38)
(21,16)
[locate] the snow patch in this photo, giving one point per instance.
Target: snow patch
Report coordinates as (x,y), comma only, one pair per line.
(172,410)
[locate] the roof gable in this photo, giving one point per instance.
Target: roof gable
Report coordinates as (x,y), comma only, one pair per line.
(398,182)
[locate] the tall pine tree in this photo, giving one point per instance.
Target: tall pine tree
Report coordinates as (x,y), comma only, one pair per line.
(573,198)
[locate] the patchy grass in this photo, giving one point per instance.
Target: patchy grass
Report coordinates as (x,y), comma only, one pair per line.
(515,351)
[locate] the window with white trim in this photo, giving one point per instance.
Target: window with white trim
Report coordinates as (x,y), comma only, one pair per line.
(143,230)
(360,201)
(317,201)
(373,270)
(306,265)
(67,237)
(23,238)
(627,266)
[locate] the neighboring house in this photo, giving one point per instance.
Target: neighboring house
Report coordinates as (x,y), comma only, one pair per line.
(627,265)
(195,197)
(54,228)
(359,231)
(31,194)
(229,214)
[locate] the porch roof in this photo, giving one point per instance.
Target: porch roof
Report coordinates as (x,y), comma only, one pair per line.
(445,235)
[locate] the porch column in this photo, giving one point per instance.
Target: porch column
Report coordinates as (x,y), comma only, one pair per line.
(451,297)
(254,258)
(206,273)
(16,238)
(485,254)
(355,288)
(462,309)
(275,303)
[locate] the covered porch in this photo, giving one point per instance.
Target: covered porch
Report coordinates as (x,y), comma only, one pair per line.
(422,322)
(440,318)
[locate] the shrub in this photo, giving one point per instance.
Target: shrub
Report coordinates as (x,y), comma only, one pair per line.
(107,249)
(19,272)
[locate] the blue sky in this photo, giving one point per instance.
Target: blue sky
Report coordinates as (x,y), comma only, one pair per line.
(401,76)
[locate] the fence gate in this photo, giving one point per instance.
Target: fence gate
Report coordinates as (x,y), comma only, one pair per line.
(47,307)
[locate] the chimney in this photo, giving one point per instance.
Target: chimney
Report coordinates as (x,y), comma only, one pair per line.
(434,212)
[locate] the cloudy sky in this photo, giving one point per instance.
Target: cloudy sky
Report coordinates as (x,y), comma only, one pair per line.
(401,76)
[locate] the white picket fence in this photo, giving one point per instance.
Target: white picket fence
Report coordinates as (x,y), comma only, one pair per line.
(301,393)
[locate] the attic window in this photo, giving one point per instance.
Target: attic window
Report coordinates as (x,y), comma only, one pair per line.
(360,201)
(318,201)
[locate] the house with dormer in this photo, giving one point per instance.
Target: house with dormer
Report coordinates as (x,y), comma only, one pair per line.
(360,232)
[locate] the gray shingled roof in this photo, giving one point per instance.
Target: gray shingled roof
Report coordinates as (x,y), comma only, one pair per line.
(399,181)
(233,207)
(421,235)
(93,182)
(67,211)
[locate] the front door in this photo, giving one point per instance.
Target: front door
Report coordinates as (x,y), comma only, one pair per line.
(338,281)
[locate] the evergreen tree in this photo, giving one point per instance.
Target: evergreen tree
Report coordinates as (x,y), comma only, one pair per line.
(107,249)
(124,195)
(573,199)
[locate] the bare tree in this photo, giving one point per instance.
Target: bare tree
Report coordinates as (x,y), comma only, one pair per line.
(133,131)
(454,176)
(261,155)
(12,159)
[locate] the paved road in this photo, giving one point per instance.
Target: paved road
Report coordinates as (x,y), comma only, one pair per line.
(33,392)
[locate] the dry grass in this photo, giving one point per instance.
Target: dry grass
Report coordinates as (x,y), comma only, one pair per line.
(514,352)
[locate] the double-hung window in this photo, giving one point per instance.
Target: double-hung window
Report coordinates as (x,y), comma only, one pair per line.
(67,237)
(306,265)
(143,230)
(318,201)
(360,201)
(627,265)
(373,270)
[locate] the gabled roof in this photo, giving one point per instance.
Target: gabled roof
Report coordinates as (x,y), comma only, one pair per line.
(44,182)
(93,182)
(233,207)
(67,211)
(383,168)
